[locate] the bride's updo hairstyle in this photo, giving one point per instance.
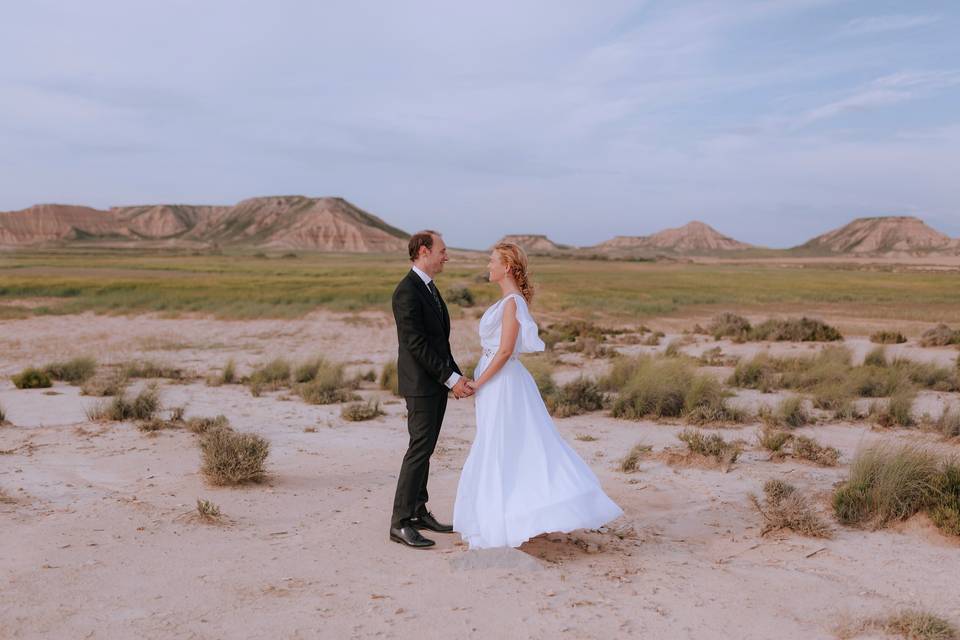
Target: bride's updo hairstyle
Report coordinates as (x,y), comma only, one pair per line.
(514,259)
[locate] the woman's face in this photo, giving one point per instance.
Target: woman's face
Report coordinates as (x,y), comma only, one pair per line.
(496,268)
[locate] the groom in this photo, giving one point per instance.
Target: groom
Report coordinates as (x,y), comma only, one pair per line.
(426,371)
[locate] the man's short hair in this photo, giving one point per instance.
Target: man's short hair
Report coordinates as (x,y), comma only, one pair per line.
(421,239)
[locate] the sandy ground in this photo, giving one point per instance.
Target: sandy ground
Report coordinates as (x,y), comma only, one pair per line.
(97,541)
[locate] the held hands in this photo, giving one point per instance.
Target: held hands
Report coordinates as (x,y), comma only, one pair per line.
(463,388)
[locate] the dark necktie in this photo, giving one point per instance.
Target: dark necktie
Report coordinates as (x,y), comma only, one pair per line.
(436,295)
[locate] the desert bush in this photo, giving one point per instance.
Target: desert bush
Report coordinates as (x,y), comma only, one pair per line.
(110,383)
(622,369)
(928,375)
(631,462)
(233,458)
(729,325)
(31,378)
(370,375)
(653,339)
(270,376)
(871,381)
(705,401)
(795,330)
(360,411)
(887,337)
(711,445)
(144,406)
(75,371)
(572,331)
(786,508)
(886,483)
(715,357)
(3,416)
(201,424)
(389,380)
(877,357)
(939,336)
(673,349)
(898,410)
(579,396)
(227,376)
(151,369)
(461,296)
(759,372)
(156,424)
(809,449)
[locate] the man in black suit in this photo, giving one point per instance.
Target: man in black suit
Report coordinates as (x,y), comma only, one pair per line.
(426,372)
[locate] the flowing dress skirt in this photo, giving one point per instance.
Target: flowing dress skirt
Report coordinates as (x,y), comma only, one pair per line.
(521,478)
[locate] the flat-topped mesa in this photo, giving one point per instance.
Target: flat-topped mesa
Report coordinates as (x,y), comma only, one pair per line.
(882,235)
(533,242)
(289,222)
(692,238)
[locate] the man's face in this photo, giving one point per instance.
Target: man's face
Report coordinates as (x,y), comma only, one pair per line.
(434,258)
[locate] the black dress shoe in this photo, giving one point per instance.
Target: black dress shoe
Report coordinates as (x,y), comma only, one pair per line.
(427,521)
(409,536)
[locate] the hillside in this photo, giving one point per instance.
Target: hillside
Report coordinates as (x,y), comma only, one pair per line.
(887,235)
(693,238)
(288,222)
(534,243)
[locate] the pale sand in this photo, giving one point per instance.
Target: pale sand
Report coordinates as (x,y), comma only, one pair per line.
(96,543)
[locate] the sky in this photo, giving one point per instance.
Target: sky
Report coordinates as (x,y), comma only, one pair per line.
(772,121)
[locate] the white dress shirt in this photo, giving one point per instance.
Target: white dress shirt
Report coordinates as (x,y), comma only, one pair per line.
(454,377)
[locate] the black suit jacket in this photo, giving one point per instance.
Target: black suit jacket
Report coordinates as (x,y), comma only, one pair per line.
(424,361)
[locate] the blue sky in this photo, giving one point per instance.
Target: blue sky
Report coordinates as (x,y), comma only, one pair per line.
(771,120)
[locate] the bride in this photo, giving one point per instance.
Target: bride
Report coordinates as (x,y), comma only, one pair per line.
(521,478)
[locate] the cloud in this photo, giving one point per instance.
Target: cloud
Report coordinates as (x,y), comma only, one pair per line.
(883,24)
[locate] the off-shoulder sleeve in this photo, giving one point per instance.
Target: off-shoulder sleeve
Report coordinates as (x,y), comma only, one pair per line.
(528,340)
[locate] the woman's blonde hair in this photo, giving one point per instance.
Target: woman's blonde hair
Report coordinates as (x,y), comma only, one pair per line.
(515,259)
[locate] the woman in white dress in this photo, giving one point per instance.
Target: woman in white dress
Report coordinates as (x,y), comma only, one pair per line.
(521,478)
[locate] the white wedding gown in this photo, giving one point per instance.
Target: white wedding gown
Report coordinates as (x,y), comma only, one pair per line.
(521,478)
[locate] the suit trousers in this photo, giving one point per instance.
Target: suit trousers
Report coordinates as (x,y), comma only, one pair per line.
(424,417)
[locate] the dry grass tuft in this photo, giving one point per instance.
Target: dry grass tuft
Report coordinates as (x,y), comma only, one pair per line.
(541,369)
(3,416)
(585,437)
(920,625)
(208,511)
(809,449)
(360,411)
(75,371)
(897,411)
(269,376)
(144,407)
(231,458)
(32,378)
(151,369)
(791,412)
(775,441)
(389,380)
(948,424)
(200,425)
(227,376)
(729,325)
(631,462)
(887,337)
(877,357)
(785,508)
(109,383)
(710,445)
(886,483)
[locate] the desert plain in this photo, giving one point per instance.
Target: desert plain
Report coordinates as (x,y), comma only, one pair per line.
(101,536)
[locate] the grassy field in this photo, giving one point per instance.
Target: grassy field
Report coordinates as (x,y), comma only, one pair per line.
(278,285)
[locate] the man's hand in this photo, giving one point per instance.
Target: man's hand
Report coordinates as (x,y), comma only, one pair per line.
(462,389)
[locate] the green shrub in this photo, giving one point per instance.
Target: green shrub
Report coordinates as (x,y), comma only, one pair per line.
(32,378)
(232,458)
(886,483)
(360,411)
(75,371)
(574,398)
(389,380)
